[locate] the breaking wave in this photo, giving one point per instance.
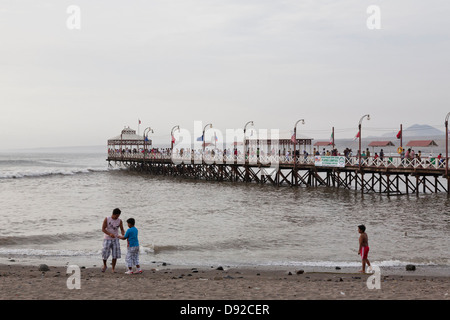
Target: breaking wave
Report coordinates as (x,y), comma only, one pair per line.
(40,239)
(30,173)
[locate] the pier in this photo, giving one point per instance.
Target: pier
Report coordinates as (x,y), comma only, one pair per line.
(390,175)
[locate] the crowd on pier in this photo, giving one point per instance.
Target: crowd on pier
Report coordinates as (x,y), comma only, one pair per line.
(407,157)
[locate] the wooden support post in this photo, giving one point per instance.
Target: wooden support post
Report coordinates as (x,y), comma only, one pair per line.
(448,185)
(424,183)
(407,183)
(362,183)
(388,182)
(417,185)
(339,180)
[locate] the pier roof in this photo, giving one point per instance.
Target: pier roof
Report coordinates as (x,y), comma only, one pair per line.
(127,136)
(381,144)
(422,143)
(323,143)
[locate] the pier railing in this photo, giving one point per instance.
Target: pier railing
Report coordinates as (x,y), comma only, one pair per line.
(393,162)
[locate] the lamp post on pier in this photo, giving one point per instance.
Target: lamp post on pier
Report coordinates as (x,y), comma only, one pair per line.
(446,147)
(145,135)
(245,140)
(203,140)
(171,137)
(246,159)
(359,134)
(294,139)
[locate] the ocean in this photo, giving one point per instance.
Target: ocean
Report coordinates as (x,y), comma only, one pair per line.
(53,204)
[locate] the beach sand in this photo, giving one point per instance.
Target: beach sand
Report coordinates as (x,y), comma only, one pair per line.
(27,282)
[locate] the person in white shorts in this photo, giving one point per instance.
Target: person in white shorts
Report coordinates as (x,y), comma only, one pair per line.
(111,245)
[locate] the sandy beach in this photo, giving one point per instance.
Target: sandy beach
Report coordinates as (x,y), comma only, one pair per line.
(27,282)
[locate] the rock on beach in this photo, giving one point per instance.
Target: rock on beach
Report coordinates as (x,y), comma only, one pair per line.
(44,267)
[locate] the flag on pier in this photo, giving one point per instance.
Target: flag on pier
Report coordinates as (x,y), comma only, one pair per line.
(357,136)
(399,134)
(293,138)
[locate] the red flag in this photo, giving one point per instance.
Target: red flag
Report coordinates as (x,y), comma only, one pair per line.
(173,139)
(399,134)
(293,138)
(357,136)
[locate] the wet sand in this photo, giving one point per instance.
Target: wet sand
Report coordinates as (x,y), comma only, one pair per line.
(27,282)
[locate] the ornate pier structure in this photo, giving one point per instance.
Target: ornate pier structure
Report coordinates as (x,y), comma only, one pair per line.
(390,175)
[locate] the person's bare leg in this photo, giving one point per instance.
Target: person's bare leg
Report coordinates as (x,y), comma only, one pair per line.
(363,266)
(364,261)
(114,265)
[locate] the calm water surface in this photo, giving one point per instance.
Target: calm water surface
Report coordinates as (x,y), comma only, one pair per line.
(53,205)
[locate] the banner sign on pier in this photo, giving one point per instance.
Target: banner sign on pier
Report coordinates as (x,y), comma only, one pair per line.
(329,161)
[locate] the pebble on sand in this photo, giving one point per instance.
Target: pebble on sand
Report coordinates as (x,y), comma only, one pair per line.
(44,267)
(410,267)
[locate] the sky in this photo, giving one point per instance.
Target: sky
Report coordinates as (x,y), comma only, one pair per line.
(174,62)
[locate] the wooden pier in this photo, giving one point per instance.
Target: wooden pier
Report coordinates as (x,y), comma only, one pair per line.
(261,161)
(390,176)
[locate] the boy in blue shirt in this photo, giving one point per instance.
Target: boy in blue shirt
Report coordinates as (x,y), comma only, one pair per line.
(132,258)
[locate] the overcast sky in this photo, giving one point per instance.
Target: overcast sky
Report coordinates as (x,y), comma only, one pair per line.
(172,62)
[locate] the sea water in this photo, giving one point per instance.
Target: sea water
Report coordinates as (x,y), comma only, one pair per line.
(53,205)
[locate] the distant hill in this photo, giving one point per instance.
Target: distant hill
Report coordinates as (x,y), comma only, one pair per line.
(418,130)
